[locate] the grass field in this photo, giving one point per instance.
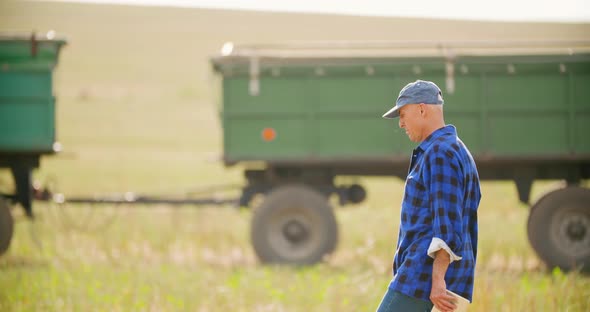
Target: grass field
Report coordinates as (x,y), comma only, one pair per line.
(137,111)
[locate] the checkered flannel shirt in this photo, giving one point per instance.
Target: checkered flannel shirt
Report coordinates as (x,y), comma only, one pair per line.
(440,201)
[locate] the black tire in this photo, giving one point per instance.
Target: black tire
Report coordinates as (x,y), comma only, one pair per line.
(559,228)
(6,226)
(294,225)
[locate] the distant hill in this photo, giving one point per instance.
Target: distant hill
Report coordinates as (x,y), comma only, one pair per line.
(116,44)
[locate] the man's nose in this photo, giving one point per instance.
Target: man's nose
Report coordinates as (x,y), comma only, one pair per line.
(401,123)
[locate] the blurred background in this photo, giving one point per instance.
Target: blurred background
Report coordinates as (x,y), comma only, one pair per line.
(137,109)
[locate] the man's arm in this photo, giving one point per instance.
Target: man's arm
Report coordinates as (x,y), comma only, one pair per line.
(446,196)
(438,294)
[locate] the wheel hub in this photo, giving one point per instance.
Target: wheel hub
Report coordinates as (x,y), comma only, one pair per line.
(576,231)
(295,231)
(573,229)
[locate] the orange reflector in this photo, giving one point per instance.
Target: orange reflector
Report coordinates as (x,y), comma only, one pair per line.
(269,134)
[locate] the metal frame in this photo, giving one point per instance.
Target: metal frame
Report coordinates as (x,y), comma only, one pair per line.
(377,49)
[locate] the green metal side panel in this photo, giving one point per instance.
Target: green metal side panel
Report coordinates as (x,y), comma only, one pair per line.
(27,104)
(282,108)
(506,107)
(527,114)
(580,103)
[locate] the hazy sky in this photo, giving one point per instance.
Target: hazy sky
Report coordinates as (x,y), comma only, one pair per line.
(512,10)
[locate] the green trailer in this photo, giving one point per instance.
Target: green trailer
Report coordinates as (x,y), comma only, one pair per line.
(27,115)
(298,115)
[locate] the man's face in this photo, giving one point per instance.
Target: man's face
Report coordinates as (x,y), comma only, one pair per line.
(411,119)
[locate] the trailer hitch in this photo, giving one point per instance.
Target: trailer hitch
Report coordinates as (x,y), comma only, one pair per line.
(45,194)
(96,213)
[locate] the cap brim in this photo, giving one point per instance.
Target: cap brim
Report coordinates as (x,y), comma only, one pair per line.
(392,113)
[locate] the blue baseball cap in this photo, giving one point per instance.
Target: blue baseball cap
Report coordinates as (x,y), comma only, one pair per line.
(417,92)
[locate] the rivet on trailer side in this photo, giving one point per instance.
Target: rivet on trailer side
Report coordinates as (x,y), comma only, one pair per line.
(522,107)
(27,115)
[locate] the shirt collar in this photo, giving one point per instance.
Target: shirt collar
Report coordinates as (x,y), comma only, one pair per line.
(446,130)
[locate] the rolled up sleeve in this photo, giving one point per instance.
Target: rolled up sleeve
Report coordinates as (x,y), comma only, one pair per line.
(437,244)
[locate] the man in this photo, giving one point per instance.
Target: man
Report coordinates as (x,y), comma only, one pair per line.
(437,243)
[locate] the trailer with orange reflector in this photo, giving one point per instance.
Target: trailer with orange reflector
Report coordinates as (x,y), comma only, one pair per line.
(299,115)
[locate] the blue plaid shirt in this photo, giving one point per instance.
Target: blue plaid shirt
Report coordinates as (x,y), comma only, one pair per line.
(440,200)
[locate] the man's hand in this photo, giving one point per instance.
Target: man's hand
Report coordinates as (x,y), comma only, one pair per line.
(440,298)
(438,293)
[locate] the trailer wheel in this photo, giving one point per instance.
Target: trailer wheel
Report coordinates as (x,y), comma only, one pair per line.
(559,228)
(6,226)
(294,225)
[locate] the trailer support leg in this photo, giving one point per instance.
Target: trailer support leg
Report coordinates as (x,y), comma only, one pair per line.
(523,186)
(24,189)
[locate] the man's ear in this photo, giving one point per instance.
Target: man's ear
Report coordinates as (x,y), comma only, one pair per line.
(422,109)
